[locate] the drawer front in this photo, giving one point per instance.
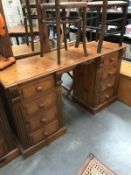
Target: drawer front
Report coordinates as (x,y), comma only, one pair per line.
(111,59)
(108,72)
(108,83)
(106,95)
(41,134)
(37,87)
(40,104)
(41,119)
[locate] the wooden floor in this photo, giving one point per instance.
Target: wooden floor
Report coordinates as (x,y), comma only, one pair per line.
(30,68)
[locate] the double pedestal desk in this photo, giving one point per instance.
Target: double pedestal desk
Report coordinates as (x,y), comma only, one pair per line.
(31,90)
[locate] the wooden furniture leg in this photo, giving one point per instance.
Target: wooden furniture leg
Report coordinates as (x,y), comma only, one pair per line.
(97,24)
(64,29)
(30,24)
(58,31)
(103,26)
(123,24)
(26,31)
(84,32)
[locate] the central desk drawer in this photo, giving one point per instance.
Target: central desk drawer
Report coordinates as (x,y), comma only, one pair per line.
(39,104)
(37,87)
(44,132)
(41,119)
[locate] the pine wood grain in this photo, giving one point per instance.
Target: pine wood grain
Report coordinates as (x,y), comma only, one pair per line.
(124,91)
(33,67)
(126,68)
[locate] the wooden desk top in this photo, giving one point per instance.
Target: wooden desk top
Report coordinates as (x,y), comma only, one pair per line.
(23,50)
(126,68)
(34,67)
(20,30)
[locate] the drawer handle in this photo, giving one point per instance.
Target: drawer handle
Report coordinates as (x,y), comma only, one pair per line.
(41,105)
(107,96)
(111,73)
(46,133)
(43,120)
(109,85)
(16,99)
(39,89)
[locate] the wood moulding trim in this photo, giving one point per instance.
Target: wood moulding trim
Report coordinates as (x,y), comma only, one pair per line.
(10,156)
(58,83)
(95,109)
(26,153)
(18,115)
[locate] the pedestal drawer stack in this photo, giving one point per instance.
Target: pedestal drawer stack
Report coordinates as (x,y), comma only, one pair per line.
(96,84)
(35,112)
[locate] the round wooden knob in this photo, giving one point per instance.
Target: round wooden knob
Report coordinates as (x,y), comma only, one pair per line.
(43,120)
(111,73)
(39,89)
(41,105)
(46,133)
(107,96)
(109,85)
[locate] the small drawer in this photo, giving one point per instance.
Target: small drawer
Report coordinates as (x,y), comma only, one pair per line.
(109,60)
(42,133)
(37,87)
(108,72)
(40,104)
(41,119)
